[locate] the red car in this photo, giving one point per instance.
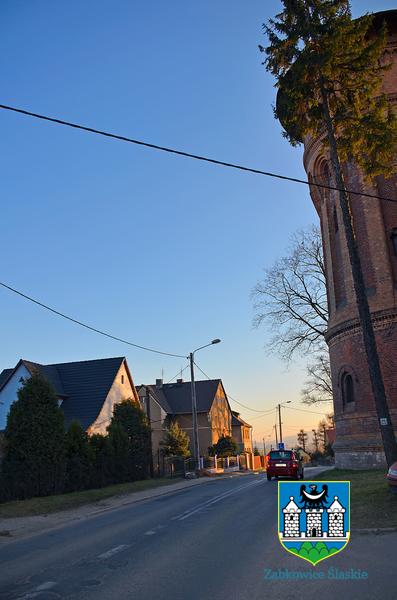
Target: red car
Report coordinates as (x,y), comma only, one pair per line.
(284,463)
(392,477)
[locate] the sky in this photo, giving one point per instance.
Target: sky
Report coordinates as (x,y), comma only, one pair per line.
(157,249)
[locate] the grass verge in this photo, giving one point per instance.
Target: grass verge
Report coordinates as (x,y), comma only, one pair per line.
(372,505)
(50,504)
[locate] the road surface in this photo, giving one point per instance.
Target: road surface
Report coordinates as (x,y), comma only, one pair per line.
(216,540)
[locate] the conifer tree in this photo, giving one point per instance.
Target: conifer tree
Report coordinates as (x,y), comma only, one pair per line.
(329,70)
(175,441)
(101,460)
(78,458)
(119,450)
(33,464)
(130,417)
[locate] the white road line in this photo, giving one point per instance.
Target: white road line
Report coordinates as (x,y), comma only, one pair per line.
(214,500)
(150,532)
(113,551)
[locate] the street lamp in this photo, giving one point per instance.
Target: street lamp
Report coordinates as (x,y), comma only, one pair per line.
(196,445)
(279,418)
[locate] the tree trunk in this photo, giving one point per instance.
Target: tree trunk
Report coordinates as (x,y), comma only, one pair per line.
(375,373)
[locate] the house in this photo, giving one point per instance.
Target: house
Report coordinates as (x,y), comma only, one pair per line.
(241,432)
(87,390)
(165,402)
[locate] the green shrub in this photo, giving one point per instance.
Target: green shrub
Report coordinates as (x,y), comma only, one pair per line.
(34,457)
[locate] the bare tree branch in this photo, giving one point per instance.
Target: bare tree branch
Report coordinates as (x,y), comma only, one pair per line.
(291,299)
(318,386)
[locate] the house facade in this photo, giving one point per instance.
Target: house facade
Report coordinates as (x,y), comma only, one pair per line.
(168,402)
(87,391)
(241,433)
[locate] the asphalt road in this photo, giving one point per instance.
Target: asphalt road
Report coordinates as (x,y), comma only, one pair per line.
(216,540)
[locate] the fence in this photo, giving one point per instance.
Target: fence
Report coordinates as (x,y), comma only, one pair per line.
(177,466)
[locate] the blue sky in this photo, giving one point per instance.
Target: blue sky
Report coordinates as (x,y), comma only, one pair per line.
(157,249)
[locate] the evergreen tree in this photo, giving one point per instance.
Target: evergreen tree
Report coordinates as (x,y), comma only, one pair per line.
(329,70)
(33,463)
(175,441)
(133,421)
(119,453)
(102,467)
(225,446)
(78,458)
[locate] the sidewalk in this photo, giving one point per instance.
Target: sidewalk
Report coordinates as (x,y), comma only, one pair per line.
(19,527)
(314,471)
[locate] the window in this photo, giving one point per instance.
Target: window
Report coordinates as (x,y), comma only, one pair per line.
(347,389)
(281,455)
(122,379)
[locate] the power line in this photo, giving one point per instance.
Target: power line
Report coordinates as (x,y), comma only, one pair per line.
(179,373)
(99,331)
(234,399)
(188,154)
(306,411)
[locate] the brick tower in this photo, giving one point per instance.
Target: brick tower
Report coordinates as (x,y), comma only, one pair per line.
(358,441)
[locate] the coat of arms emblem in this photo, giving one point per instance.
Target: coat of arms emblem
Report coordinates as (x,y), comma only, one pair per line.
(314,518)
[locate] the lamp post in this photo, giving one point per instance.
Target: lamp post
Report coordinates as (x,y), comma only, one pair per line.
(196,445)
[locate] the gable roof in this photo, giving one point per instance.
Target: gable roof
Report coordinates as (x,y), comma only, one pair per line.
(84,385)
(237,421)
(4,376)
(157,393)
(176,398)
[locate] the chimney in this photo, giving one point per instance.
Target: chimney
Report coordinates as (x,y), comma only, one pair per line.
(159,383)
(179,380)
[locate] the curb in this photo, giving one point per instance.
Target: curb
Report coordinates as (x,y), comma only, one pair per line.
(132,500)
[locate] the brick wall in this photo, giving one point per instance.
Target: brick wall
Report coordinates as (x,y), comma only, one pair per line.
(358,441)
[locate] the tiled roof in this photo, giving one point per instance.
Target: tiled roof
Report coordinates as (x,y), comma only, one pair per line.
(176,398)
(84,385)
(237,421)
(4,375)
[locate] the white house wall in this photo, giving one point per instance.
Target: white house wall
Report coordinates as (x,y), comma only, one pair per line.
(8,394)
(118,392)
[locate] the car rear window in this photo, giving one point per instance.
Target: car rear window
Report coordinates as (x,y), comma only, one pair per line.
(281,454)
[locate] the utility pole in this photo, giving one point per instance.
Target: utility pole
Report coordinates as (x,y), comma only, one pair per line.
(196,446)
(264,447)
(279,423)
(279,418)
(275,429)
(148,414)
(195,430)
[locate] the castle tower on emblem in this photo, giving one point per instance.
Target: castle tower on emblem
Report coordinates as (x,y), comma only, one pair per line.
(291,519)
(314,522)
(336,514)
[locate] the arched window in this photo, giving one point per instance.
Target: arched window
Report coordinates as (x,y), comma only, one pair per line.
(347,389)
